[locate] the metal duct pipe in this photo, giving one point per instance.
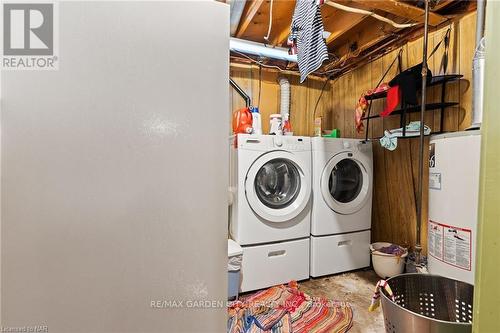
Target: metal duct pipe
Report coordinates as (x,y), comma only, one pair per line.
(478,68)
(478,86)
(261,50)
(236,9)
(481,11)
(285,97)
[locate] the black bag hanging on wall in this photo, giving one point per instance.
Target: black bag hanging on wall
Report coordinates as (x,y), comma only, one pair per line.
(410,81)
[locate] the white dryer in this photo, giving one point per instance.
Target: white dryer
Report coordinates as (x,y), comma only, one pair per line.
(271,210)
(342,205)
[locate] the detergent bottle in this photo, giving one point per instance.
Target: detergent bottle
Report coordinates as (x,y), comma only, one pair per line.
(256,121)
(242,121)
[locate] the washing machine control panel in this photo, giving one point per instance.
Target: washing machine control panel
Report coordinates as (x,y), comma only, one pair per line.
(269,142)
(291,143)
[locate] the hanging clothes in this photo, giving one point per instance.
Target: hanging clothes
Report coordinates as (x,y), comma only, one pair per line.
(362,105)
(307,37)
(359,113)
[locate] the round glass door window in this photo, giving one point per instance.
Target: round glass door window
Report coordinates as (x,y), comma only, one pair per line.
(277,183)
(346,181)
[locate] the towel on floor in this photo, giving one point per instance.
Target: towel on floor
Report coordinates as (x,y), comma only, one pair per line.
(257,319)
(282,309)
(375,303)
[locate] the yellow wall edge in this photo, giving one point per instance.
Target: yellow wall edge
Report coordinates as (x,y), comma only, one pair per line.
(487,289)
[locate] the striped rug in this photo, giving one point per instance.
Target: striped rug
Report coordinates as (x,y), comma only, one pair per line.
(285,309)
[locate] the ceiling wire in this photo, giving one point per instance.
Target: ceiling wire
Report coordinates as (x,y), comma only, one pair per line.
(321,94)
(372,14)
(270,22)
(260,85)
(261,63)
(284,70)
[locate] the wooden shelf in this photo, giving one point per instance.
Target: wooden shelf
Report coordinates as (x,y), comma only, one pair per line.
(407,137)
(416,108)
(436,80)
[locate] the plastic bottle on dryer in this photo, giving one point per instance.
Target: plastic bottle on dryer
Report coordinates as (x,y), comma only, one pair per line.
(256,121)
(275,124)
(287,126)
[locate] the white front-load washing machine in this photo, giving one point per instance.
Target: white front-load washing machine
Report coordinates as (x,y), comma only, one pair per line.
(342,205)
(271,209)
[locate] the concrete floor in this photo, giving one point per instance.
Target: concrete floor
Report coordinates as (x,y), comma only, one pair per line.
(353,287)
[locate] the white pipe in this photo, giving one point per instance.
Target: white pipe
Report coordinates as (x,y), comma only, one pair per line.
(258,49)
(266,37)
(372,14)
(478,68)
(478,84)
(481,8)
(285,98)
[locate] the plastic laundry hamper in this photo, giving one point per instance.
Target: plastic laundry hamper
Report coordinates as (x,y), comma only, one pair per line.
(427,303)
(235,256)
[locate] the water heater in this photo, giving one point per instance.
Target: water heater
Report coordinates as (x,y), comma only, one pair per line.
(453,204)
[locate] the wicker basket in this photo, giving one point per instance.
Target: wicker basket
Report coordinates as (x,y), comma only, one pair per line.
(428,303)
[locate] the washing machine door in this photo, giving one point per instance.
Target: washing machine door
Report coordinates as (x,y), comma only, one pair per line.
(345,183)
(276,187)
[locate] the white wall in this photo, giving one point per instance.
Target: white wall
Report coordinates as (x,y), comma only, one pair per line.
(114,172)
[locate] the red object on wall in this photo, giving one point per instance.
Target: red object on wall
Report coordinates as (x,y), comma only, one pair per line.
(393,97)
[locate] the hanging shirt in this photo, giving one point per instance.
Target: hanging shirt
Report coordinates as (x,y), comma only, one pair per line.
(307,36)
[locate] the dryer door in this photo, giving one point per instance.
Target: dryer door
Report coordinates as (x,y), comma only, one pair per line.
(276,187)
(345,183)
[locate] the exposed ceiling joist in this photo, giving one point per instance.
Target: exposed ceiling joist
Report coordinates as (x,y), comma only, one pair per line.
(248,14)
(354,36)
(336,23)
(284,14)
(236,10)
(342,25)
(281,37)
(403,10)
(364,37)
(441,4)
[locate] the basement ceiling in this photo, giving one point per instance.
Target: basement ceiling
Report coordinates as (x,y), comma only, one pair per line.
(352,37)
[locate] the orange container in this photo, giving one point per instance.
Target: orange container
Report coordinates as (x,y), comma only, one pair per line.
(242,121)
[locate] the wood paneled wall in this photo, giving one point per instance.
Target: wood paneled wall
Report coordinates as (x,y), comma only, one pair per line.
(395,173)
(303,96)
